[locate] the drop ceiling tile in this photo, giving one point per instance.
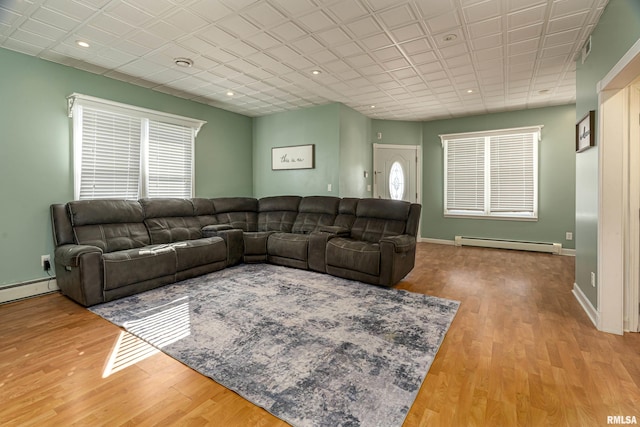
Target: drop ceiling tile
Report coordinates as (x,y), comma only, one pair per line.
(348,49)
(238,4)
(394,64)
(36,41)
(482,11)
(240,49)
(334,36)
(387,53)
(210,11)
(522,47)
(265,15)
(43,29)
(523,58)
(416,46)
(397,16)
(152,7)
(377,41)
(410,32)
(322,57)
(443,22)
(364,27)
(383,4)
(454,50)
(129,14)
(525,33)
(487,42)
(403,73)
(360,61)
(424,57)
(216,36)
(431,8)
(568,22)
(569,7)
(563,50)
(316,21)
(526,17)
(485,28)
(162,29)
(288,31)
(263,41)
(55,19)
(430,67)
(347,10)
(93,35)
(73,9)
(442,39)
(564,37)
(186,20)
(238,26)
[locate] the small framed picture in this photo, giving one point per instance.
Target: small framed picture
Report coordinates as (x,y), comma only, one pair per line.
(293,157)
(585,132)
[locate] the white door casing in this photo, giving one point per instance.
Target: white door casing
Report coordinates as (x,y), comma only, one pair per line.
(397,172)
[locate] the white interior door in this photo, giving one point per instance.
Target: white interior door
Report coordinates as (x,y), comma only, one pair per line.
(396,172)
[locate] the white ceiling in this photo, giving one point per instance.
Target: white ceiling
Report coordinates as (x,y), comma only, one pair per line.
(391,54)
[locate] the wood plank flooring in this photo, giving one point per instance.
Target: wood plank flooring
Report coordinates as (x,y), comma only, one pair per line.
(520,352)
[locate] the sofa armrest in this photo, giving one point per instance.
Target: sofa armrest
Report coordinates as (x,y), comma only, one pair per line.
(401,243)
(334,229)
(69,255)
(212,230)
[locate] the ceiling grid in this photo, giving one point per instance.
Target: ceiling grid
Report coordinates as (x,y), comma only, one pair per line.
(388,59)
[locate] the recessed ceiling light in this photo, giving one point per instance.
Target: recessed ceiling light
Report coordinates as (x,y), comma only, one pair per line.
(470,91)
(230,93)
(183,62)
(316,72)
(544,91)
(372,106)
(82,43)
(449,38)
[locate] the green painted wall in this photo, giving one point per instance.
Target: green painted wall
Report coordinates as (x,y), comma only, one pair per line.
(396,132)
(356,156)
(555,187)
(36,160)
(617,30)
(316,125)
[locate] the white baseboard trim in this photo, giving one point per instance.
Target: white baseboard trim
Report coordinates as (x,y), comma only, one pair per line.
(27,290)
(592,313)
(565,252)
(436,241)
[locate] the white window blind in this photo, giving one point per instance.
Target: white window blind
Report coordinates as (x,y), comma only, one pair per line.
(110,156)
(121,151)
(492,174)
(465,175)
(170,160)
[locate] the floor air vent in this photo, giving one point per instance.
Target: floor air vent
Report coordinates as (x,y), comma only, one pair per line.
(553,248)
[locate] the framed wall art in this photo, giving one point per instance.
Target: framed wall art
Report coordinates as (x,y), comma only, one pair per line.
(293,157)
(585,132)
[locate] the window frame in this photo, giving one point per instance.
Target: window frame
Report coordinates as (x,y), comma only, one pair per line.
(77,102)
(487,213)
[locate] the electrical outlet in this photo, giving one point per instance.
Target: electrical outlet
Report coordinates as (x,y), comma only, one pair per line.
(45,258)
(593,279)
(568,235)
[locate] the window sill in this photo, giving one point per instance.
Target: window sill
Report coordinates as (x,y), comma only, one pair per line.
(492,217)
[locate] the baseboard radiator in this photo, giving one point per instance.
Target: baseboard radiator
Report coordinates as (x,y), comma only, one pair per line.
(553,248)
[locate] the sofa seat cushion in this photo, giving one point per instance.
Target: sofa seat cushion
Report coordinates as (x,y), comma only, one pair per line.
(194,253)
(255,242)
(131,266)
(354,255)
(288,245)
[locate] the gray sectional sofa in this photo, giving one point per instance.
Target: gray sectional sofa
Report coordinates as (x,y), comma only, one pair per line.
(108,249)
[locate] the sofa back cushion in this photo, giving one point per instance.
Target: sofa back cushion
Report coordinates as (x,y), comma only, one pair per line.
(204,210)
(171,220)
(315,211)
(277,213)
(378,218)
(238,212)
(111,225)
(346,212)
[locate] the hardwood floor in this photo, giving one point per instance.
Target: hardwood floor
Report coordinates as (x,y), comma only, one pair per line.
(520,352)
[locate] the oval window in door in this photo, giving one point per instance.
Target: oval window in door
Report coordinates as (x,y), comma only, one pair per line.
(396,181)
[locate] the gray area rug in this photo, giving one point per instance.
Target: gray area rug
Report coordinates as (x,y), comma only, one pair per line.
(310,348)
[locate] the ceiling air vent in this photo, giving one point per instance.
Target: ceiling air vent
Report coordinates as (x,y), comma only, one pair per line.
(586,49)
